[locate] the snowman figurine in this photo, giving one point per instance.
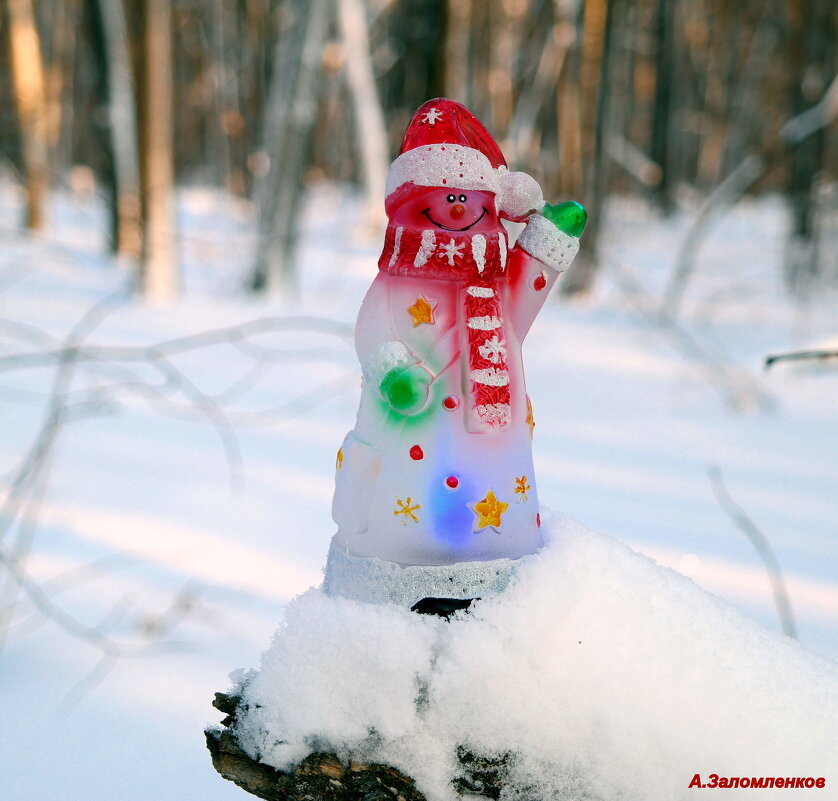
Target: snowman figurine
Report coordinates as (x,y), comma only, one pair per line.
(435,498)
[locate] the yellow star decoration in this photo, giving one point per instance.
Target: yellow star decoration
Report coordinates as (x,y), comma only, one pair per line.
(339,459)
(522,488)
(489,511)
(407,508)
(423,311)
(530,418)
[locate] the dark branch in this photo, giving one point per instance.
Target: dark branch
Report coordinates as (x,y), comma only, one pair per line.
(799,356)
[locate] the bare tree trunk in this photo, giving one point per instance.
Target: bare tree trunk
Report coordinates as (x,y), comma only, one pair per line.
(457,76)
(227,130)
(569,112)
(662,113)
(744,117)
(112,32)
(370,130)
(592,30)
(59,57)
(504,24)
(158,275)
(253,40)
(27,70)
(718,70)
(812,46)
(580,280)
(289,122)
(525,133)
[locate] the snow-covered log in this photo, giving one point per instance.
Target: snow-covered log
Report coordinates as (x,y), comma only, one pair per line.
(319,777)
(596,674)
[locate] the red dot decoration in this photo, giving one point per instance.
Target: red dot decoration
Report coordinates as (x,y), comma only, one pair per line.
(416,453)
(539,283)
(451,402)
(538,519)
(452,482)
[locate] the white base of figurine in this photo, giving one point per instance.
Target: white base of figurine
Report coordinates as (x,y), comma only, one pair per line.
(373,580)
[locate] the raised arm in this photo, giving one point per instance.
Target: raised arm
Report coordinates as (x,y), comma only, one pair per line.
(545,248)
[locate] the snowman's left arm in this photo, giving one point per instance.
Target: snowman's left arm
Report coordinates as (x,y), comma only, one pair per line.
(540,255)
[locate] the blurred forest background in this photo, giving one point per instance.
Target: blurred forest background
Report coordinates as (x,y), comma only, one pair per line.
(689,103)
(233,151)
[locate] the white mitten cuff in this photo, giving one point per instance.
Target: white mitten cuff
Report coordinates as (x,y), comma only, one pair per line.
(387,356)
(542,240)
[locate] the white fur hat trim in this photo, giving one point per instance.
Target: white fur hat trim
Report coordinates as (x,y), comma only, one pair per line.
(460,167)
(453,166)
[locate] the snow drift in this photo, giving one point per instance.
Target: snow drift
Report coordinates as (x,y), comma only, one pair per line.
(605,675)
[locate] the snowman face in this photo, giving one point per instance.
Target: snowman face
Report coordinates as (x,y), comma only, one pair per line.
(454,210)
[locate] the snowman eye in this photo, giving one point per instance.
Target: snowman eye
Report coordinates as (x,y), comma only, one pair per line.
(451,198)
(463,198)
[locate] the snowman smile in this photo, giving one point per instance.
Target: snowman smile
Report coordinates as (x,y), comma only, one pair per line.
(426,212)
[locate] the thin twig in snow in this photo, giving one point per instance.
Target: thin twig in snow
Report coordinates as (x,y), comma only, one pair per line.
(763,548)
(72,625)
(153,377)
(22,546)
(75,577)
(56,410)
(88,683)
(239,334)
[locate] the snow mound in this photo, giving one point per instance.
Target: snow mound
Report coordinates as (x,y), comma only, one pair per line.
(603,674)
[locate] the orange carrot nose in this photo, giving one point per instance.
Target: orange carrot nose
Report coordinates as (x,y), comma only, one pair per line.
(457,210)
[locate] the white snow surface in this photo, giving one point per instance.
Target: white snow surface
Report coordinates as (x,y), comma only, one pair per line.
(604,675)
(152,531)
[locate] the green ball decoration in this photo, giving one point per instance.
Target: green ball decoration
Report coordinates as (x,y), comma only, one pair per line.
(405,389)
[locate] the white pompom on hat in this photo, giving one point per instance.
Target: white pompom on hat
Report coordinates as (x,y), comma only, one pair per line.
(445,145)
(520,195)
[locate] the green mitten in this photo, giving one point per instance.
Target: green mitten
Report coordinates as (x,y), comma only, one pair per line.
(569,217)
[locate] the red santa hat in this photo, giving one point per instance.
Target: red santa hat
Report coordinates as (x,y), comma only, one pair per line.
(445,145)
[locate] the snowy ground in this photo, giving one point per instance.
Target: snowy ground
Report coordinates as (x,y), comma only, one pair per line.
(162,529)
(604,676)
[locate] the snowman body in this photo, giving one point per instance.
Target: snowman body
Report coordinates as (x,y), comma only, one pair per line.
(435,493)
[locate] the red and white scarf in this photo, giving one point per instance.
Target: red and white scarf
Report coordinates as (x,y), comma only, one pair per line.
(478,263)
